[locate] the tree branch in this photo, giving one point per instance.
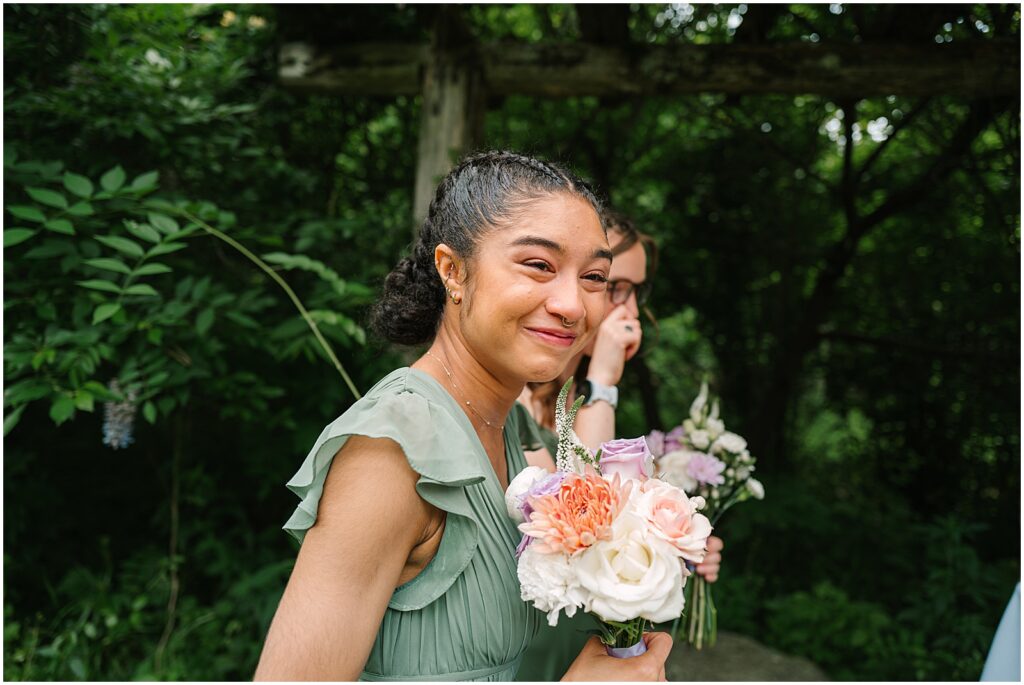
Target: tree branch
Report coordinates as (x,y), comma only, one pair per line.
(901,125)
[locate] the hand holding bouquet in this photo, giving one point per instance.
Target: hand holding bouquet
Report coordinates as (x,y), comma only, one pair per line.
(602,535)
(704,459)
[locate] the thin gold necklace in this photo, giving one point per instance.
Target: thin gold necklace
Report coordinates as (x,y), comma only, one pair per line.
(500,426)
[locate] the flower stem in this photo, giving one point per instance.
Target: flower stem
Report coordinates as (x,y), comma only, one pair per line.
(328,350)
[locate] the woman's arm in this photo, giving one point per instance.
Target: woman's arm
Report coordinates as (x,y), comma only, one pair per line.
(618,339)
(370,519)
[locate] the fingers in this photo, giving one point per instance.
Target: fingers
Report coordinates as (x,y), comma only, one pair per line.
(658,645)
(715,543)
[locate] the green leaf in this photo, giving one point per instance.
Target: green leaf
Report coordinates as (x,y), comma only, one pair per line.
(14,236)
(129,247)
(97,389)
(98,284)
(60,226)
(113,179)
(81,209)
(142,231)
(146,181)
(163,222)
(109,264)
(78,185)
(50,198)
(62,409)
(11,420)
(141,289)
(105,311)
(149,411)
(84,400)
(27,213)
(152,269)
(242,319)
(204,321)
(165,248)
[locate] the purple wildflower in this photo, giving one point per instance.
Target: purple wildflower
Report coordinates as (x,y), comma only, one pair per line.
(119,418)
(656,443)
(705,469)
(674,439)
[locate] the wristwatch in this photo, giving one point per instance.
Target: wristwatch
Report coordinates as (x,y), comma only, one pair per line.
(595,392)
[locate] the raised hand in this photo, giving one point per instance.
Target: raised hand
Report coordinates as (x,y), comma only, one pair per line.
(618,339)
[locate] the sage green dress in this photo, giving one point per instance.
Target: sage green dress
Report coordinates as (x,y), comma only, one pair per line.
(462,617)
(554,649)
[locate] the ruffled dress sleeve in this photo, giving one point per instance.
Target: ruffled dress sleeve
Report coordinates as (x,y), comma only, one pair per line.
(436,446)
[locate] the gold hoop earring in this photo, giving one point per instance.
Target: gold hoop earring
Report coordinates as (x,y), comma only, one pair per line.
(456,299)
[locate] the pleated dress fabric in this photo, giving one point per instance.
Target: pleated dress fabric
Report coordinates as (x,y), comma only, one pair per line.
(462,617)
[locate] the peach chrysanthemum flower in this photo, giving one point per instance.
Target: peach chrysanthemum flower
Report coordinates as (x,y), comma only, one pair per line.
(578,515)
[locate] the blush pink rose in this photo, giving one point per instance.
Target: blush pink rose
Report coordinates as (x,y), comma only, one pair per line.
(674,518)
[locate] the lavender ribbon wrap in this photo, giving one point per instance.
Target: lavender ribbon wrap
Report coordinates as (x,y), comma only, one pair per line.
(626,652)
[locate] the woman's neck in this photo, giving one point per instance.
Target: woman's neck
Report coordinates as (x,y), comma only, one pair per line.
(451,363)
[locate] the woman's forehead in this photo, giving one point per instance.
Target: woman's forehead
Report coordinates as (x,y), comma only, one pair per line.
(565,219)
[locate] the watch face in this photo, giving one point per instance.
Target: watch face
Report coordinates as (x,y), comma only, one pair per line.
(584,389)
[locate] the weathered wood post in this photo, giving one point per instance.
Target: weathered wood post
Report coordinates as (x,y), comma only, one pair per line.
(451,121)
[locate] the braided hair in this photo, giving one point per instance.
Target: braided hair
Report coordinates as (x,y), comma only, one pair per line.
(484,191)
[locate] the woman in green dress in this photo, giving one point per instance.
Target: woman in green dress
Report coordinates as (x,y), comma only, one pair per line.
(407,568)
(599,368)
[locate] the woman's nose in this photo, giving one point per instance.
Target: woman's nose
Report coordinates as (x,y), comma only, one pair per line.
(566,300)
(632,306)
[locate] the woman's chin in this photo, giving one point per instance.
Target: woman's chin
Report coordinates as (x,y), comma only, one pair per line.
(542,373)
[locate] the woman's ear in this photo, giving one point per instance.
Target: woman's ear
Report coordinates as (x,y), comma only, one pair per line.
(450,268)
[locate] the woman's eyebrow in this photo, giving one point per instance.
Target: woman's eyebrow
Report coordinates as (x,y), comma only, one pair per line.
(537,241)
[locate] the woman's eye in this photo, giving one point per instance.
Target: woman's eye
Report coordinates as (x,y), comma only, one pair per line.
(597,278)
(542,266)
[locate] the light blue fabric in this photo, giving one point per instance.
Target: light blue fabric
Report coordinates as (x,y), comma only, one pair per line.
(1003,663)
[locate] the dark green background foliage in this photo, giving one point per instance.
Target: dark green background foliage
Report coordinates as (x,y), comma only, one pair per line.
(879,388)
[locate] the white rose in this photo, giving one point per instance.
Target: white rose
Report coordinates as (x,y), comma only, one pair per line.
(730,442)
(672,468)
(550,582)
(756,488)
(715,427)
(699,439)
(742,473)
(633,575)
(518,488)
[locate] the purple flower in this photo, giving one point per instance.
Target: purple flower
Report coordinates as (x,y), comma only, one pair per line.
(630,458)
(674,439)
(656,443)
(706,469)
(119,418)
(548,485)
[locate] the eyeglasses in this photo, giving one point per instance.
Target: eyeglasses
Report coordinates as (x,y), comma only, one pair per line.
(619,292)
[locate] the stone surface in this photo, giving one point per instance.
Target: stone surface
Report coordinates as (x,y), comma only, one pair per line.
(737,657)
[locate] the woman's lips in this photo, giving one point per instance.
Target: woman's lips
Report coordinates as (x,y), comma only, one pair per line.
(554,337)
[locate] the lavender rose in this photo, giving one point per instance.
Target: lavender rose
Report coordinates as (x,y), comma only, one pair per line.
(630,458)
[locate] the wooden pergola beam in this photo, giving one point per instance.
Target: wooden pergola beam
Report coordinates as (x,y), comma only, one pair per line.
(970,69)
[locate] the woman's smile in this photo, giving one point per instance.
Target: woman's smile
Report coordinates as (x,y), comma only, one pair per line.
(552,336)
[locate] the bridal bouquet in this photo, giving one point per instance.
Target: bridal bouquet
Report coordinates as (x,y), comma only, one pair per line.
(704,459)
(601,535)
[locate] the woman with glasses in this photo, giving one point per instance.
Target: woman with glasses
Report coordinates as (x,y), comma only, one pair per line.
(597,369)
